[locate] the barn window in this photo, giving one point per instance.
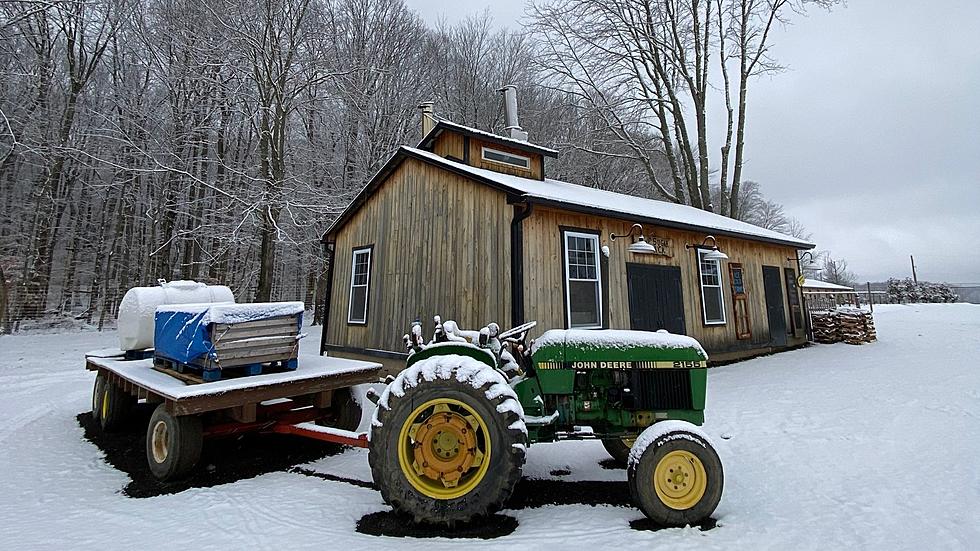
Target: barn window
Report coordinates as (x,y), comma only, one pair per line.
(712,299)
(496,156)
(583,280)
(360,280)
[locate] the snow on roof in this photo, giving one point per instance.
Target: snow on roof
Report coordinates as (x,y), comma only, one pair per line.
(443,123)
(574,196)
(824,286)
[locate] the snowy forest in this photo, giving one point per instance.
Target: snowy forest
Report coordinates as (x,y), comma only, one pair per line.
(216,140)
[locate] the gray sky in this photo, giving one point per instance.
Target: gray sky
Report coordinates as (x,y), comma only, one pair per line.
(871,138)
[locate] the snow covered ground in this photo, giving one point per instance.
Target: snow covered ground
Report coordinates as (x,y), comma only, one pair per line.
(830,447)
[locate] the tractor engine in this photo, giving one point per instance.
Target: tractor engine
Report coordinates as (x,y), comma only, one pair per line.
(616,382)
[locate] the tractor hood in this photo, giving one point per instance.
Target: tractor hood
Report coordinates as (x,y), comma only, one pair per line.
(608,346)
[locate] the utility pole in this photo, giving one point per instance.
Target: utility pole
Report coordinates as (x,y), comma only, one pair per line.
(915,279)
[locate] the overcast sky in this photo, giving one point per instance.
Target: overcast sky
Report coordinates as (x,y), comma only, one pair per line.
(871,138)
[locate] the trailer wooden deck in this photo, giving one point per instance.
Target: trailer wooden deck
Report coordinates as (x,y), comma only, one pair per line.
(314,376)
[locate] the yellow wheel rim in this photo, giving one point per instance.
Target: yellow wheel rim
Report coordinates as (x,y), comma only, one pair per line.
(680,480)
(444,448)
(160,442)
(105,403)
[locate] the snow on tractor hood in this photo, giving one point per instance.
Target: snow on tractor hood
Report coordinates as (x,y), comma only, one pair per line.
(614,344)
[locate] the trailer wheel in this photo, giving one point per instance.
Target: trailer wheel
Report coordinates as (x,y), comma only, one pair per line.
(98,389)
(618,448)
(173,444)
(346,412)
(115,404)
(443,452)
(677,480)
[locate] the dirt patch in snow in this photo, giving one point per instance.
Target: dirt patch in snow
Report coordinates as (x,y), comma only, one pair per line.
(223,460)
(647,525)
(531,492)
(611,464)
(388,523)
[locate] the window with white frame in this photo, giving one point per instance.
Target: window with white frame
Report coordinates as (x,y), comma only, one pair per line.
(497,156)
(583,280)
(712,298)
(360,279)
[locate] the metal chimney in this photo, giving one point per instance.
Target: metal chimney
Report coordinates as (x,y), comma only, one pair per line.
(513,128)
(428,119)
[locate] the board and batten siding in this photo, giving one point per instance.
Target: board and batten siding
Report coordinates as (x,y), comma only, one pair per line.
(452,144)
(544,298)
(441,246)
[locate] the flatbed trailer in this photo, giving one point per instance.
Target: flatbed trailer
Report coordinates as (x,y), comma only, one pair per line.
(188,410)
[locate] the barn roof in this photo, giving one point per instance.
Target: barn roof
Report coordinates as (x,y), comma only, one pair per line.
(573,197)
(443,125)
(818,285)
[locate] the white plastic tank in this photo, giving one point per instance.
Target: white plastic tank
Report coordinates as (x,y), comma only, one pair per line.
(139,305)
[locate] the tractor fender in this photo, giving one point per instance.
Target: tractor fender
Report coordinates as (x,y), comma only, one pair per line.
(455,348)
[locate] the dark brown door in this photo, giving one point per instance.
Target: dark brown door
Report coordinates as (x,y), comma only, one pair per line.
(772,281)
(656,298)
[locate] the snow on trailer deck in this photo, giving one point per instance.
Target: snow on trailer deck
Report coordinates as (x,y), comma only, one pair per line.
(829,447)
(314,374)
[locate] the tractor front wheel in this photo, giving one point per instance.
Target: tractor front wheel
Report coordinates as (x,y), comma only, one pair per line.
(447,450)
(618,448)
(677,480)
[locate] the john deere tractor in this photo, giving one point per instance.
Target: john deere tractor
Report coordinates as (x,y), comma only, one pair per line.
(450,434)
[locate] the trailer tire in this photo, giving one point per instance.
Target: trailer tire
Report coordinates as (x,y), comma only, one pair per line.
(173,443)
(482,438)
(115,405)
(618,448)
(345,411)
(98,389)
(678,479)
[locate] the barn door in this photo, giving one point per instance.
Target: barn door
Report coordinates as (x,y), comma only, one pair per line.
(656,298)
(772,281)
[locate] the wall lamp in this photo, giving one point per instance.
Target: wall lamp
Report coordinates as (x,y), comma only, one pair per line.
(802,256)
(640,246)
(715,254)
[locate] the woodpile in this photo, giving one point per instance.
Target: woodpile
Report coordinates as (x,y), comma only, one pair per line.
(825,326)
(850,325)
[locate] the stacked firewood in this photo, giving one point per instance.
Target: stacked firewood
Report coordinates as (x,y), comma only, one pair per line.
(856,326)
(825,326)
(850,325)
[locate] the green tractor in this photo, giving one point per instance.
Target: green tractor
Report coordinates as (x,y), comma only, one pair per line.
(450,433)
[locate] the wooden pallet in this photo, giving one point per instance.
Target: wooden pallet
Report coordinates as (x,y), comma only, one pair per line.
(194,374)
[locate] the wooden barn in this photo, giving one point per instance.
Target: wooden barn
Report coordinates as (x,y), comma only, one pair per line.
(468,226)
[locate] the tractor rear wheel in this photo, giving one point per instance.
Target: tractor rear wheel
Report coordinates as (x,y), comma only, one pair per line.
(618,448)
(677,480)
(446,450)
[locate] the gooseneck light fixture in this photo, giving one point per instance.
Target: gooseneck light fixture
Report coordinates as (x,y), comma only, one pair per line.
(639,245)
(714,254)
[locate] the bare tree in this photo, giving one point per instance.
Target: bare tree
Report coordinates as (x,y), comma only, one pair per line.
(835,271)
(644,66)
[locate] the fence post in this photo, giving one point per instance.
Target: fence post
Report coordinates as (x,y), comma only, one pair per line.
(871,300)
